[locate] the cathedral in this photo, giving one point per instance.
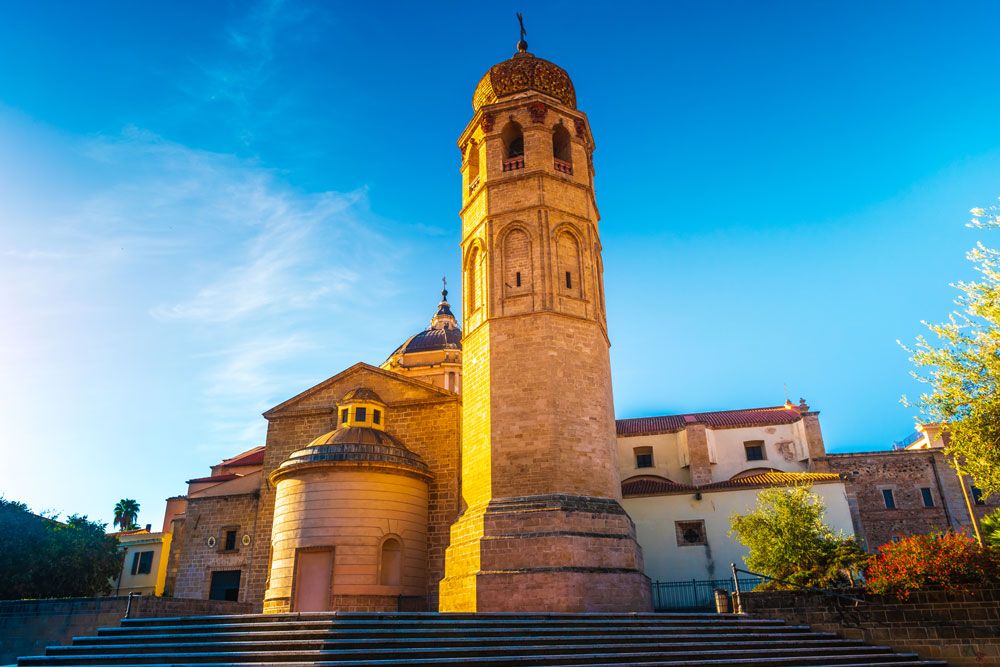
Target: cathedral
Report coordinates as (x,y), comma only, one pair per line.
(480,467)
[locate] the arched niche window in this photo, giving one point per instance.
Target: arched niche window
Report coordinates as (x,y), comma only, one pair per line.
(561,151)
(513,146)
(474,280)
(517,262)
(472,160)
(568,255)
(390,568)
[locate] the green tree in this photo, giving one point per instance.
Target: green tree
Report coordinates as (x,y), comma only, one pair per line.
(43,558)
(126,512)
(962,367)
(788,540)
(989,526)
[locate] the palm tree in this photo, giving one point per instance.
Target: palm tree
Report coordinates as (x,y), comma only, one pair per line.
(126,512)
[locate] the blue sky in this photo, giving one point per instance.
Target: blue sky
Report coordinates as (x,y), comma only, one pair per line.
(207,207)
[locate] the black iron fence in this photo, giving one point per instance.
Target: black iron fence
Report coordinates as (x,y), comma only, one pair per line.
(696,594)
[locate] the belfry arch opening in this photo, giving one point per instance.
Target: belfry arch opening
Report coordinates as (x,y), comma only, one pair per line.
(561,148)
(513,146)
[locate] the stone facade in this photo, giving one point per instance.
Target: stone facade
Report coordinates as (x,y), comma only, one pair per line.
(198,548)
(905,473)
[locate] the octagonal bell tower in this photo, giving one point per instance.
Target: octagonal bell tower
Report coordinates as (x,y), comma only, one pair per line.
(542,528)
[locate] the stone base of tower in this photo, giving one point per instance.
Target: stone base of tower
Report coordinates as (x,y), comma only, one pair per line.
(555,553)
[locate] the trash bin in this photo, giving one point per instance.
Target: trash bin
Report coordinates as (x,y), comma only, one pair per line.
(723,601)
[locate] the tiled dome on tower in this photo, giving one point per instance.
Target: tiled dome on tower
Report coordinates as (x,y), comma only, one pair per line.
(435,354)
(524,72)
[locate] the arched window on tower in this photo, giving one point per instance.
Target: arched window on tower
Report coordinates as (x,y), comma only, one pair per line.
(390,570)
(517,262)
(568,255)
(513,146)
(472,160)
(473,277)
(561,149)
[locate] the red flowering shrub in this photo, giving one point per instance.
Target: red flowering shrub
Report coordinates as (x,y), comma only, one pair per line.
(938,560)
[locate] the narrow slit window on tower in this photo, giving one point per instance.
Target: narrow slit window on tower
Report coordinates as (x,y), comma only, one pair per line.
(376,416)
(343,415)
(517,279)
(360,414)
(569,280)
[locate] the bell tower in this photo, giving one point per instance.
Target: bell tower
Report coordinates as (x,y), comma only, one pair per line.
(542,528)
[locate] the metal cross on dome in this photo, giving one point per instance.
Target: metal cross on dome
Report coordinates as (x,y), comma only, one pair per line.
(522,45)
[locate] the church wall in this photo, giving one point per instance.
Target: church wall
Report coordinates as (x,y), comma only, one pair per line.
(427,422)
(655,520)
(353,511)
(209,517)
(783,445)
(666,457)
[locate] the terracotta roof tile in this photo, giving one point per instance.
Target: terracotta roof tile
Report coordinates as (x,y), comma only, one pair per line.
(721,419)
(214,478)
(251,457)
(651,485)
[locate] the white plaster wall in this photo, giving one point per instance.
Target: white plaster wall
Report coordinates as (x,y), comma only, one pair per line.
(666,456)
(731,457)
(654,518)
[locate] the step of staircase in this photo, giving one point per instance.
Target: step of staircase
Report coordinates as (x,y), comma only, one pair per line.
(428,639)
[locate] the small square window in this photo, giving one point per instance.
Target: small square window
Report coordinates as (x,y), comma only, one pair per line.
(643,457)
(690,533)
(229,544)
(889,499)
(360,414)
(925,494)
(755,450)
(145,562)
(343,415)
(977,496)
(376,416)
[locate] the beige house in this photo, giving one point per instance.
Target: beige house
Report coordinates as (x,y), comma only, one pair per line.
(144,569)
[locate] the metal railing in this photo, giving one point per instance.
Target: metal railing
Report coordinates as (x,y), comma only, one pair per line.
(694,595)
(738,588)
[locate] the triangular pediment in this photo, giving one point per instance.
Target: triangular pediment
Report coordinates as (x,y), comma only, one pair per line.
(392,387)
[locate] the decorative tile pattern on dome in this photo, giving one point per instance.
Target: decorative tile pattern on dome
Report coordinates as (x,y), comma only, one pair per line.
(521,73)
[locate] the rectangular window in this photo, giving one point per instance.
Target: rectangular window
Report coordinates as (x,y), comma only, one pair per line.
(925,493)
(890,501)
(977,496)
(517,278)
(643,457)
(690,533)
(142,562)
(360,414)
(376,416)
(343,416)
(569,280)
(145,562)
(230,543)
(754,450)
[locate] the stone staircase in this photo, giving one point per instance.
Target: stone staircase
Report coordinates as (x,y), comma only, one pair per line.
(346,639)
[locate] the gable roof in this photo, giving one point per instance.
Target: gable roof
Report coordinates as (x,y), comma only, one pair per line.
(769,416)
(353,370)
